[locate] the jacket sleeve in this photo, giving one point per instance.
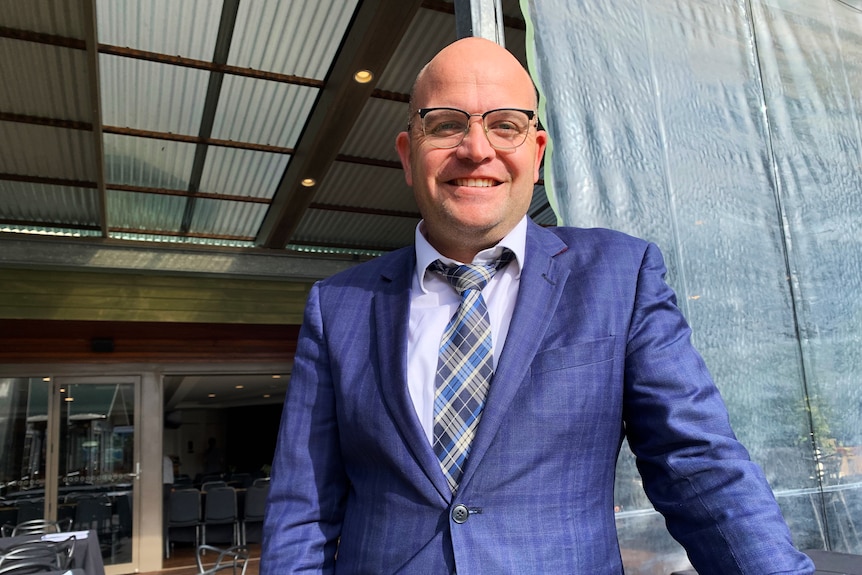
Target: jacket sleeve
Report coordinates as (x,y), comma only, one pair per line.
(715,500)
(308,487)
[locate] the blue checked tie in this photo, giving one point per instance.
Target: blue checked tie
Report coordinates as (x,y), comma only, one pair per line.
(465,366)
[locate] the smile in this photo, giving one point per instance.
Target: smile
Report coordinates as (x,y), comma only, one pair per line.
(475,182)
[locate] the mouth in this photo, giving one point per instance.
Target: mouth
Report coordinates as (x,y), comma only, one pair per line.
(475,182)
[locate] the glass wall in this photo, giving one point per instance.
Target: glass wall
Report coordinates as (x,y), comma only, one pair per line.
(729,134)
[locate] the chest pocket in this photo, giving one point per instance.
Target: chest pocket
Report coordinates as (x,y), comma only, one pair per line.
(571,356)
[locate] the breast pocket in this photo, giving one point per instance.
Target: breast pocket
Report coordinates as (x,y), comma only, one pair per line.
(576,379)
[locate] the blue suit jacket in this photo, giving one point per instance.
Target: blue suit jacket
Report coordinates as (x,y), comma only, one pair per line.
(596,349)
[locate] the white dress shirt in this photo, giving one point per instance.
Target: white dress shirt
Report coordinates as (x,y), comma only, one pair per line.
(433,302)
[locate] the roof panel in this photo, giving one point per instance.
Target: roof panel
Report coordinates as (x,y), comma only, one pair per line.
(370,137)
(188,28)
(324,227)
(26,201)
(428,33)
(374,187)
(262,111)
(225,218)
(147,162)
(273,35)
(45,151)
(49,81)
(58,17)
(151,96)
(153,212)
(242,172)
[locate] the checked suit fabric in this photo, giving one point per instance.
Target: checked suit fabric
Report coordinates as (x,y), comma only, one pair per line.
(465,365)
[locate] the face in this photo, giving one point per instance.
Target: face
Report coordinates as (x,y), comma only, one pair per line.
(472,195)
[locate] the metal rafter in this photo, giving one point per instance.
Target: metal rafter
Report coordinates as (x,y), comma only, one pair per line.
(374,35)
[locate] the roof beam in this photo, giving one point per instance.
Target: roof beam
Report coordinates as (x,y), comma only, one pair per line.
(35,252)
(374,35)
(89,7)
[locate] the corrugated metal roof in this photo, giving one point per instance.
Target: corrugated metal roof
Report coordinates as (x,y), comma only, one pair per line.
(275,36)
(209,118)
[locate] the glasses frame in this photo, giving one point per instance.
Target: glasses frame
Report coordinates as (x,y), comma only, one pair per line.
(422,112)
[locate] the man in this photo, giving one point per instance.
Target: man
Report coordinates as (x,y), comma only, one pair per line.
(588,345)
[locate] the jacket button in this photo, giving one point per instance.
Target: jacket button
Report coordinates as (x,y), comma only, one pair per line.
(460,513)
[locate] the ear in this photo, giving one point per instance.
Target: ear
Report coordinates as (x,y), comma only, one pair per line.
(541,143)
(402,145)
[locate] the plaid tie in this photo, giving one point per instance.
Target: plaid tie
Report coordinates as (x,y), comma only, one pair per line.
(465,365)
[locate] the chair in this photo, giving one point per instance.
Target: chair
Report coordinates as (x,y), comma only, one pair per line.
(39,527)
(27,567)
(95,512)
(58,554)
(30,509)
(261,481)
(184,516)
(207,485)
(220,511)
(255,505)
(232,558)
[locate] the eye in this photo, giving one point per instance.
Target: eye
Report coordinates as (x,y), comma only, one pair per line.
(443,127)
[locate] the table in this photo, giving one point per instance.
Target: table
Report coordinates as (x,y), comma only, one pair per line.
(86,559)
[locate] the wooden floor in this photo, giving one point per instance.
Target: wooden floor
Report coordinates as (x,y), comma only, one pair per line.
(182,561)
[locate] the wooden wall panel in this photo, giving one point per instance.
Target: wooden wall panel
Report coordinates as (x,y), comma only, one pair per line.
(85,296)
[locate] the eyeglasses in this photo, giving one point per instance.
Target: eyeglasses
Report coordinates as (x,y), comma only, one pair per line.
(505,128)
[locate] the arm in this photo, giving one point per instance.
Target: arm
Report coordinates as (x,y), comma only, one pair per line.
(716,502)
(308,488)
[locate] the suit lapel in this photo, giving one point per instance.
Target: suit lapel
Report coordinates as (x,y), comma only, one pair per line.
(542,281)
(392,315)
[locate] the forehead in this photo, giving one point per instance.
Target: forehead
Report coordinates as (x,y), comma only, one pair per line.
(474,84)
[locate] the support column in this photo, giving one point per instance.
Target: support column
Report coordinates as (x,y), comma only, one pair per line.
(481,18)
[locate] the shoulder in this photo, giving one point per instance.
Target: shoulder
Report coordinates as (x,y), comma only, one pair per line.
(591,244)
(395,264)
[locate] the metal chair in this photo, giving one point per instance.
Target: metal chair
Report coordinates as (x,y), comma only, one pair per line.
(37,527)
(184,516)
(58,554)
(220,510)
(232,558)
(255,506)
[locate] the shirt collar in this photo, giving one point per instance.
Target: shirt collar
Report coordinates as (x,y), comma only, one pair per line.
(515,240)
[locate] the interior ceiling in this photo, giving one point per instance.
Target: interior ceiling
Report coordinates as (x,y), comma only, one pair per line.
(161,123)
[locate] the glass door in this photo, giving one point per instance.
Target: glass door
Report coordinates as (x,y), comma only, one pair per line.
(97,462)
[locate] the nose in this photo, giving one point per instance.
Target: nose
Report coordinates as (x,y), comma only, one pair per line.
(475,145)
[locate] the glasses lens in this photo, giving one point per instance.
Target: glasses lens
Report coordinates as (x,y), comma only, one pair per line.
(445,128)
(507,129)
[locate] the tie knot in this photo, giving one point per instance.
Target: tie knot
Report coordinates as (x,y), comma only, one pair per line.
(471,276)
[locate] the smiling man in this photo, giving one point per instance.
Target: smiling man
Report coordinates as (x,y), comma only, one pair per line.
(458,405)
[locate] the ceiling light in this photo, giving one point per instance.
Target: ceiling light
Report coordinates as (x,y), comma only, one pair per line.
(211,395)
(276,376)
(46,379)
(363,76)
(308,183)
(266,395)
(240,386)
(68,399)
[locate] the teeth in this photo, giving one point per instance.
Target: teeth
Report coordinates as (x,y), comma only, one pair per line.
(475,182)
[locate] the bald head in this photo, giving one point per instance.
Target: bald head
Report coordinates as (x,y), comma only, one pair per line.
(466,64)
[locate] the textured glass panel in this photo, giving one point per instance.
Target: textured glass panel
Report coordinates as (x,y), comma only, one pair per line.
(731,138)
(131,211)
(147,162)
(188,28)
(262,112)
(242,172)
(224,218)
(151,96)
(275,35)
